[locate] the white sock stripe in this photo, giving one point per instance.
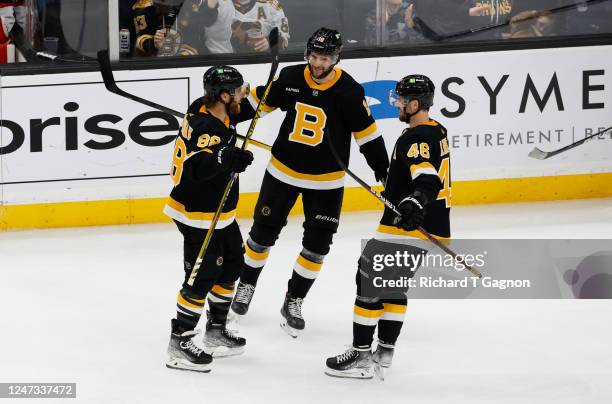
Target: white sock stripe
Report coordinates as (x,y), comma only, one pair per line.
(367,321)
(254,263)
(189,311)
(390,316)
(305,272)
(214,298)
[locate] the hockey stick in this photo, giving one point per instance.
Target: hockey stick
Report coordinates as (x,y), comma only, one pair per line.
(429,33)
(391,206)
(111,85)
(274,48)
(537,153)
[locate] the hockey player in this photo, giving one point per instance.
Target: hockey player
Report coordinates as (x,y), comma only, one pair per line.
(253,21)
(419,185)
(204,157)
(320,100)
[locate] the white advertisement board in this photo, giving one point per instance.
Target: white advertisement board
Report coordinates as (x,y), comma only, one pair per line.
(64,137)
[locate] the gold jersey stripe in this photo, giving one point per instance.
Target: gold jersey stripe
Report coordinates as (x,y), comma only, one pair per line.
(423,165)
(141,39)
(265,108)
(220,290)
(325,86)
(181,300)
(431,122)
(257,256)
(226,120)
(360,311)
(311,266)
(366,132)
(333,176)
(142,4)
(394,308)
(198,215)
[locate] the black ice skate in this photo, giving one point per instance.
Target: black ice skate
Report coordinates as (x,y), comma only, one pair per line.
(242,299)
(221,341)
(183,354)
(382,359)
(354,363)
(292,322)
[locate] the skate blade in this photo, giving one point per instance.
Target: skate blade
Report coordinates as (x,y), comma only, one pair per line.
(350,374)
(180,365)
(223,351)
(292,332)
(380,371)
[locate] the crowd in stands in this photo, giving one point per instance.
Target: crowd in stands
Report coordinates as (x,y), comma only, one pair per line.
(161,28)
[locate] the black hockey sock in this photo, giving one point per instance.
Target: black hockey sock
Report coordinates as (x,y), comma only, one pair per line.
(255,257)
(219,300)
(305,271)
(365,319)
(189,310)
(391,321)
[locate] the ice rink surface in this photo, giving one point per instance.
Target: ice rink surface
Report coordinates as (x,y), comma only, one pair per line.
(93,306)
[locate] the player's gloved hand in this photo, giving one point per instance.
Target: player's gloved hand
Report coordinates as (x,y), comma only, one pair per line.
(381,175)
(412,209)
(234,159)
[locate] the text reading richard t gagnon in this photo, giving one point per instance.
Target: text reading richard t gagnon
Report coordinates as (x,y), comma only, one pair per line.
(412,262)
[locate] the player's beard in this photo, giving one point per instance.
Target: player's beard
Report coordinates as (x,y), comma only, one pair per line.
(404,115)
(320,75)
(233,108)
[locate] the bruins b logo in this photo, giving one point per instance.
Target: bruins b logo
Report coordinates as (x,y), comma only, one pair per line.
(309,125)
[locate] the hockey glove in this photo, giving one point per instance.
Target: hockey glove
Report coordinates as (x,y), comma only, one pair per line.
(234,159)
(412,209)
(381,175)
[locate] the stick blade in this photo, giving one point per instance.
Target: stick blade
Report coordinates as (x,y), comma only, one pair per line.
(538,154)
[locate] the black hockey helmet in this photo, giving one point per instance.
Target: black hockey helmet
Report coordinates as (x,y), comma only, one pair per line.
(414,87)
(325,41)
(222,78)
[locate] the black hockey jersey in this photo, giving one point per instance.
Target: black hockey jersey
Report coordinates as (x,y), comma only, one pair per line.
(300,154)
(143,21)
(420,160)
(199,180)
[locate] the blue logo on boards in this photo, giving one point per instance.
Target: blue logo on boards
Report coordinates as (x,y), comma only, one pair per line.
(379,90)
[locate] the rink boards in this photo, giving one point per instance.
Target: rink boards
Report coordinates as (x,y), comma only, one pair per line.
(74,154)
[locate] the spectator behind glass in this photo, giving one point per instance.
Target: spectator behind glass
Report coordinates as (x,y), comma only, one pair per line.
(447,17)
(253,21)
(531,24)
(143,19)
(398,20)
(202,26)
